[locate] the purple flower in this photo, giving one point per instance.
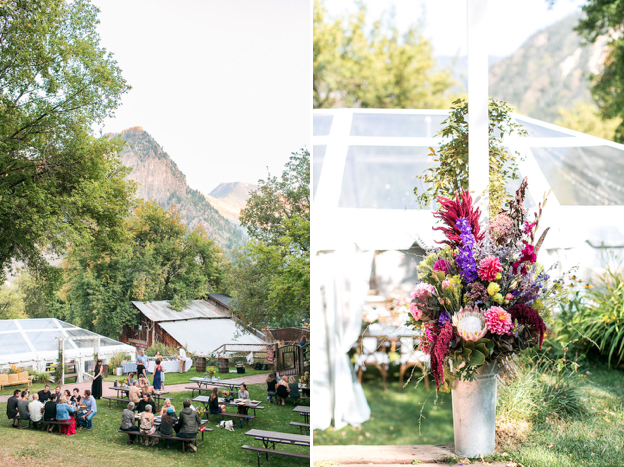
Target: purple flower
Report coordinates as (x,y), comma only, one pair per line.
(465,257)
(444,318)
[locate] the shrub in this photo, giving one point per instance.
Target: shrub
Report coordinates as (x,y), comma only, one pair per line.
(117,358)
(162,348)
(39,377)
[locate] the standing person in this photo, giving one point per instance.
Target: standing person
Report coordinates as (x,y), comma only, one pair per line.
(85,418)
(147,426)
(158,371)
(213,402)
(303,343)
(167,421)
(44,394)
(35,408)
(282,389)
(127,422)
(12,407)
(96,385)
(141,364)
(294,388)
(271,383)
(188,423)
(22,406)
(63,410)
(49,412)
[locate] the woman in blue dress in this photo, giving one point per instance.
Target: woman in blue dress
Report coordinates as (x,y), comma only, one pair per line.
(158,371)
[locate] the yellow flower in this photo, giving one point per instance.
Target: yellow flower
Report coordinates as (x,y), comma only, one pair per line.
(589,286)
(493,288)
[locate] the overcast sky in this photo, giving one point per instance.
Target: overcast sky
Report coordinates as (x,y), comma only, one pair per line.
(223,86)
(512,21)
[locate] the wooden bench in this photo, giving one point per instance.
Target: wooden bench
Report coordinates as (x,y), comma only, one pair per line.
(197,389)
(53,423)
(116,399)
(174,438)
(270,440)
(258,451)
(19,422)
(243,418)
(301,426)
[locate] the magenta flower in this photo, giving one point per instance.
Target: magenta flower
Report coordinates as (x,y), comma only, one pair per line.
(498,320)
(441,265)
(488,268)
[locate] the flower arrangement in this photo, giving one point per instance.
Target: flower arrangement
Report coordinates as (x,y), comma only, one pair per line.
(482,297)
(211,371)
(14,369)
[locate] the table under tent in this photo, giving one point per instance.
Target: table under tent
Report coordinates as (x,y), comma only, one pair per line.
(34,344)
(369,232)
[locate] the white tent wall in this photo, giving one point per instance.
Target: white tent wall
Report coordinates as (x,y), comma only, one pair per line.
(339,287)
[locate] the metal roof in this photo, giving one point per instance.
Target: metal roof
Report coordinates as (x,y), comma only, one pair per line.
(203,336)
(159,311)
(222,298)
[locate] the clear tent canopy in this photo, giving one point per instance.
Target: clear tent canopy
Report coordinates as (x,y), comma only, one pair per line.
(33,342)
(365,163)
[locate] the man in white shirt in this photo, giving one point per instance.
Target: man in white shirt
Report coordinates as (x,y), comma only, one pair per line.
(36,410)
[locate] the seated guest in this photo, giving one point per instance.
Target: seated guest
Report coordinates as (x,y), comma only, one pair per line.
(271,383)
(294,388)
(49,412)
(22,406)
(12,407)
(213,403)
(166,406)
(127,421)
(68,396)
(57,394)
(243,393)
(63,411)
(85,417)
(143,403)
(134,393)
(76,399)
(35,409)
(147,426)
(188,423)
(130,380)
(167,421)
(144,384)
(282,389)
(44,394)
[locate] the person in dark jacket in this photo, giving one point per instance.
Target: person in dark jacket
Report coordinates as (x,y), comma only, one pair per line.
(271,391)
(188,422)
(49,412)
(12,407)
(144,402)
(44,394)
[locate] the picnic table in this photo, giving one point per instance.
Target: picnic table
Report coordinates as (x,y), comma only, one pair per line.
(122,390)
(305,411)
(272,438)
(159,395)
(219,383)
(252,404)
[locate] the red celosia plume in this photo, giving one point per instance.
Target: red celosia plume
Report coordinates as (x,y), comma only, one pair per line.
(439,351)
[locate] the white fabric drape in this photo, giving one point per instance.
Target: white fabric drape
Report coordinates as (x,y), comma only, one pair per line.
(339,287)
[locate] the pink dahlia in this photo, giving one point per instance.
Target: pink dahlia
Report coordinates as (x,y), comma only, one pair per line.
(489,267)
(441,265)
(498,320)
(422,292)
(415,311)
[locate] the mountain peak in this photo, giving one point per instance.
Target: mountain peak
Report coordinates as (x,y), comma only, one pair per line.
(229,198)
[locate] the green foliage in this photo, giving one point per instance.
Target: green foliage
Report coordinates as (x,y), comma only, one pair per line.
(168,350)
(39,377)
(58,369)
(536,387)
(378,67)
(11,302)
(42,290)
(158,259)
(117,358)
(606,17)
(60,184)
(585,117)
(449,172)
(211,371)
(269,280)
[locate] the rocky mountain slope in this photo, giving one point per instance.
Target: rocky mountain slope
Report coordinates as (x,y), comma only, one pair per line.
(230,198)
(549,71)
(160,179)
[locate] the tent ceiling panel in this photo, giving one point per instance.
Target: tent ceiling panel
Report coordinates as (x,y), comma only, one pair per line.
(396,125)
(13,343)
(322,124)
(318,156)
(8,325)
(44,340)
(539,131)
(38,324)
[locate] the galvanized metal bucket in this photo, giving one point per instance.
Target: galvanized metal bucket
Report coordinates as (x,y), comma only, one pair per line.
(474,413)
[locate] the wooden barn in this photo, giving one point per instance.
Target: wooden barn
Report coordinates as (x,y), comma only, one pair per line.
(201,327)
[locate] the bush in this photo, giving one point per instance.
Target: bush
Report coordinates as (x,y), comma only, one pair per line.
(168,350)
(536,387)
(39,377)
(117,358)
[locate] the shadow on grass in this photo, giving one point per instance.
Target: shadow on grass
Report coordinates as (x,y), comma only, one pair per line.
(395,415)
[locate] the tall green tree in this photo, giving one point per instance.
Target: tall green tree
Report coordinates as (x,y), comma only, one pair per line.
(11,302)
(270,278)
(60,185)
(157,260)
(606,17)
(376,66)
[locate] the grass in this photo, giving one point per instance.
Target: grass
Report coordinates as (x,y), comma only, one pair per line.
(103,446)
(594,439)
(180,378)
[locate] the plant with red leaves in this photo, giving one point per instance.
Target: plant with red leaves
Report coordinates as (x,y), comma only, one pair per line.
(530,318)
(439,351)
(451,210)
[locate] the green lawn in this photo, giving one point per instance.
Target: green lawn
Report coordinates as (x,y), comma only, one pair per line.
(179,378)
(103,446)
(594,440)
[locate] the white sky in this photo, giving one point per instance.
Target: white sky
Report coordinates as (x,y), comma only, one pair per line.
(222,85)
(512,21)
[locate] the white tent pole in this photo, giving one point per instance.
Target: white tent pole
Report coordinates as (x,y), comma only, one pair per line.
(478,144)
(62,362)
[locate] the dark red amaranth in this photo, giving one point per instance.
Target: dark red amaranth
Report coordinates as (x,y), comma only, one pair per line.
(451,210)
(529,317)
(439,351)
